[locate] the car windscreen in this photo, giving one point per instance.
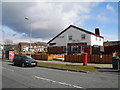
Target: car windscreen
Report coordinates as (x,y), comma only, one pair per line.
(29,57)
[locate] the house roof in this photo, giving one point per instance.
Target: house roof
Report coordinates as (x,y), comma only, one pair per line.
(33,44)
(77,29)
(24,43)
(112,42)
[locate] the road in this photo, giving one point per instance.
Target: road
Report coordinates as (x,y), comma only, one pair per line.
(38,77)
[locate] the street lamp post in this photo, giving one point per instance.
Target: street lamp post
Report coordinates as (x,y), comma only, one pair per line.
(3,44)
(30,34)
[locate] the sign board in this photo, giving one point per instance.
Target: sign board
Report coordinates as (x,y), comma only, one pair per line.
(11,54)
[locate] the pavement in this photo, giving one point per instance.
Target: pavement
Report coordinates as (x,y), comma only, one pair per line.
(39,77)
(103,67)
(61,61)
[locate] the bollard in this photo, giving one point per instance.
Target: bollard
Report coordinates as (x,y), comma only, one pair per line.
(85,59)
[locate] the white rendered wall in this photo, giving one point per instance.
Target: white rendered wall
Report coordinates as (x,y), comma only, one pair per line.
(76,37)
(98,41)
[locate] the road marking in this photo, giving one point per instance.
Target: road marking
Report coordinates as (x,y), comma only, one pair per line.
(62,83)
(8,69)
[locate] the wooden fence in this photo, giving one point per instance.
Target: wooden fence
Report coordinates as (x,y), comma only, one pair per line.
(106,58)
(91,58)
(73,58)
(40,57)
(111,49)
(46,57)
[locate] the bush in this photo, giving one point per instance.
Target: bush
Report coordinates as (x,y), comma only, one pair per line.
(44,53)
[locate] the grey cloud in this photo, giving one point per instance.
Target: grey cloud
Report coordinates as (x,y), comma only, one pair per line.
(13,16)
(45,19)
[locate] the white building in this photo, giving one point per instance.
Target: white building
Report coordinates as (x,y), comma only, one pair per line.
(1,47)
(74,34)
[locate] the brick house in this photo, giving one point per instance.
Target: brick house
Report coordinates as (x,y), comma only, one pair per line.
(35,47)
(111,47)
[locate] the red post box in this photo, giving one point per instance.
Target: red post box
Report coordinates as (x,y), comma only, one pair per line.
(85,58)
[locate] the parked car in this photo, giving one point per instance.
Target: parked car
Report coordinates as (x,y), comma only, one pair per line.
(24,60)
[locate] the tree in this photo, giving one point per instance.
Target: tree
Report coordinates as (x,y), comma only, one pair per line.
(41,43)
(8,42)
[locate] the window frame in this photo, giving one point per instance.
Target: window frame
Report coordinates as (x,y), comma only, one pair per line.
(70,37)
(96,38)
(83,36)
(99,39)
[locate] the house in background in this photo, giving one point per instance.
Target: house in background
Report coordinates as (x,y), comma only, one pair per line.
(35,47)
(76,40)
(1,47)
(111,47)
(111,43)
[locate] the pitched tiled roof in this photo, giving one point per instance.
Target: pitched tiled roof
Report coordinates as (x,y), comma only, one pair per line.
(33,44)
(77,29)
(24,43)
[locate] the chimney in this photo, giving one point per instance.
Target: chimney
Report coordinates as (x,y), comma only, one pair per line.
(97,31)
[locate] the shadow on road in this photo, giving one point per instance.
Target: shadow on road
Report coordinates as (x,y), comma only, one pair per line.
(11,64)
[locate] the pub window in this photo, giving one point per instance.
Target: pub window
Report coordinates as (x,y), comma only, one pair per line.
(83,36)
(64,48)
(70,37)
(74,48)
(96,38)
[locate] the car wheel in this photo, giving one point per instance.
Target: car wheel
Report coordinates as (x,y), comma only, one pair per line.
(14,63)
(23,65)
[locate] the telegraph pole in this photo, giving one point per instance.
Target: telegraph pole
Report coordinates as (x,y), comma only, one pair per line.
(30,33)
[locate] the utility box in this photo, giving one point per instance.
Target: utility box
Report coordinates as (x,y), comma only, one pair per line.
(10,54)
(116,62)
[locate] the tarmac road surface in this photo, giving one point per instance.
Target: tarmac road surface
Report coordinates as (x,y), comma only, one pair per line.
(38,77)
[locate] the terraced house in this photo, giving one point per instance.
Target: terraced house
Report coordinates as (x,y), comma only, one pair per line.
(35,47)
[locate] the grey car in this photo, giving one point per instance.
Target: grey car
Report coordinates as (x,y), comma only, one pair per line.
(24,60)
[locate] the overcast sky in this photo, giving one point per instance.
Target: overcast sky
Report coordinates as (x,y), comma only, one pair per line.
(47,19)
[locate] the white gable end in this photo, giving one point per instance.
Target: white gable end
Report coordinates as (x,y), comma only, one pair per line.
(96,40)
(63,39)
(77,35)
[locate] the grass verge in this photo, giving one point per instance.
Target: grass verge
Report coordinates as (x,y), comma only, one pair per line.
(68,66)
